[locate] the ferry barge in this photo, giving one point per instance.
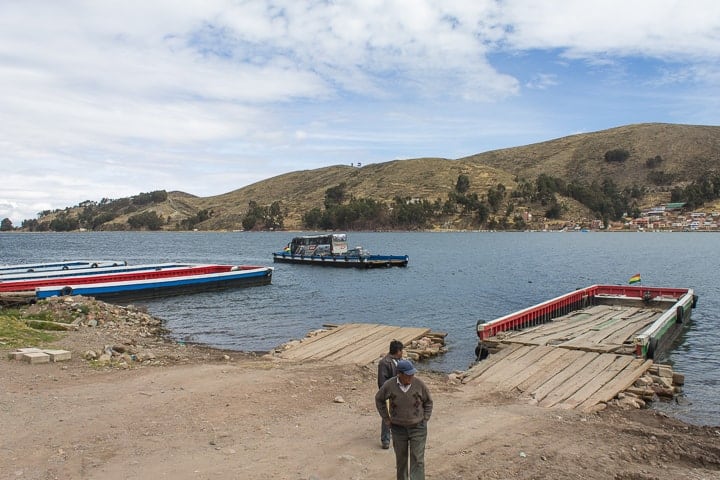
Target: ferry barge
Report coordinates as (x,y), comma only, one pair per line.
(58,266)
(332,251)
(136,282)
(639,320)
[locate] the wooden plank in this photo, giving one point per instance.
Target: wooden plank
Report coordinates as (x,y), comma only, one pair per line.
(336,335)
(405,335)
(480,368)
(360,343)
(498,369)
(538,369)
(523,367)
(617,322)
(563,374)
(620,383)
(528,334)
(597,381)
(374,345)
(538,335)
(568,332)
(605,337)
(378,346)
(580,330)
(581,377)
(623,335)
(375,337)
(564,359)
(351,337)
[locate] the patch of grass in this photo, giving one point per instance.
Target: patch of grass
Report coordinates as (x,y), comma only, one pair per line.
(43,316)
(14,332)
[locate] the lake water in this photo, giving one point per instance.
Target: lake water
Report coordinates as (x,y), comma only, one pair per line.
(452,281)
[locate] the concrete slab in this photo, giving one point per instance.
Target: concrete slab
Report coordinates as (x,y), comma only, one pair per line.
(18,354)
(36,357)
(58,355)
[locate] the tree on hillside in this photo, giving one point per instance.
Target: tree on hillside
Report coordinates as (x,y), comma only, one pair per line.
(463,184)
(258,216)
(150,220)
(495,197)
(335,195)
(617,155)
(6,225)
(64,223)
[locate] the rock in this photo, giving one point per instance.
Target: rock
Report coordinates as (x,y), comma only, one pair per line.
(628,402)
(339,399)
(662,391)
(665,371)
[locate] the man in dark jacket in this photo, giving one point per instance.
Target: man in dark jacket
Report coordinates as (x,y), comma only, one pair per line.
(386,370)
(410,408)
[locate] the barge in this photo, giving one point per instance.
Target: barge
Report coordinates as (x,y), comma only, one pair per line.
(331,250)
(161,283)
(638,320)
(30,279)
(57,266)
(141,281)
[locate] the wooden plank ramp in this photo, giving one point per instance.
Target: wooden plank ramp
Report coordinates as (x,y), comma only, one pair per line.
(557,377)
(577,361)
(352,343)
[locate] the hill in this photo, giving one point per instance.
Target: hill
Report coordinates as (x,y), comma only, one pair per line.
(686,151)
(590,175)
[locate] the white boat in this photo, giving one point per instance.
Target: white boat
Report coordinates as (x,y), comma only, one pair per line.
(158,283)
(57,266)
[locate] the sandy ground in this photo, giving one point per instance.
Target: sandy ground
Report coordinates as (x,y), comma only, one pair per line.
(198,413)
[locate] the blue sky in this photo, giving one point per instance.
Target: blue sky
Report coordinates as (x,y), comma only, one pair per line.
(110,99)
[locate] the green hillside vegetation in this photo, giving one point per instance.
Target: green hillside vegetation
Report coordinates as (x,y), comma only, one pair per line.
(568,181)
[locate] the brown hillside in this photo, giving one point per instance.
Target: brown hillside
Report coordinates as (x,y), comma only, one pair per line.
(688,151)
(425,178)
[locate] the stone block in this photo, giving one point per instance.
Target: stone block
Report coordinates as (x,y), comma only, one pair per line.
(58,355)
(18,354)
(36,357)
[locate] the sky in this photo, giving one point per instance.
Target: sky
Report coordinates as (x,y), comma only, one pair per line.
(105,99)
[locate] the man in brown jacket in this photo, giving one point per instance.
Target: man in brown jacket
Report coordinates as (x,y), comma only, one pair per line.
(410,409)
(386,370)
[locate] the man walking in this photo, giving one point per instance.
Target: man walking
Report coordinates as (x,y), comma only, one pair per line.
(386,370)
(410,409)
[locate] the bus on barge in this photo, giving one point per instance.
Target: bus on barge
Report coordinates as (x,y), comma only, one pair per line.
(331,250)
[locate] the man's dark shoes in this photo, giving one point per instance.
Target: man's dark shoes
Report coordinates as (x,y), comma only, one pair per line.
(385,446)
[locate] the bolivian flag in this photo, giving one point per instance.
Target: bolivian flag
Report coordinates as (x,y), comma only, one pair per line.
(634,279)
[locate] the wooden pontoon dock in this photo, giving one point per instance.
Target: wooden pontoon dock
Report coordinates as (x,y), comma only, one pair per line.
(356,343)
(581,349)
(581,360)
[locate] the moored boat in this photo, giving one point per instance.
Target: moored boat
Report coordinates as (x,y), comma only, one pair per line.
(331,250)
(19,282)
(640,320)
(57,266)
(159,283)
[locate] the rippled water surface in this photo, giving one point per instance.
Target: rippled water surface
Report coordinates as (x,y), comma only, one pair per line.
(452,281)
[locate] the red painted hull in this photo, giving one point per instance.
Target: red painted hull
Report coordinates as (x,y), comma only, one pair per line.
(150,273)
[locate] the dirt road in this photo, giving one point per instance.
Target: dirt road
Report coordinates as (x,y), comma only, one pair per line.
(197,413)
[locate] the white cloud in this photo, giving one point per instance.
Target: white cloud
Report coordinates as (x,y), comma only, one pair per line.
(654,28)
(109,99)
